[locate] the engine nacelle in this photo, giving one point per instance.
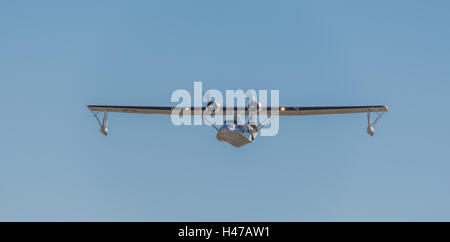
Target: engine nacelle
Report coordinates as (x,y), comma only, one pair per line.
(254,106)
(212,108)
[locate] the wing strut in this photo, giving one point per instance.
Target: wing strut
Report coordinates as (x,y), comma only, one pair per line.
(265,122)
(370,125)
(104,124)
(210,123)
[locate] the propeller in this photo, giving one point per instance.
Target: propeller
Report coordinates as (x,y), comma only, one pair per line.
(207,98)
(253,107)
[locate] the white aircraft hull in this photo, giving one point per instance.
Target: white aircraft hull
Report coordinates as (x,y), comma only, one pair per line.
(236,136)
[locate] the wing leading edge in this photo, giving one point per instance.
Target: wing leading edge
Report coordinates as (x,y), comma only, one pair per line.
(282,110)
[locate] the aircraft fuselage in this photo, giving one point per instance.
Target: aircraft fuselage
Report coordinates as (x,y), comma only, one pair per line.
(236,135)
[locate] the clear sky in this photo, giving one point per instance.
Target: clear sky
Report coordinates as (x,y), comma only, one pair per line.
(58,56)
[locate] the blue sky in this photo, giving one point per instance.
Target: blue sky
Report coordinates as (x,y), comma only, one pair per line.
(58,56)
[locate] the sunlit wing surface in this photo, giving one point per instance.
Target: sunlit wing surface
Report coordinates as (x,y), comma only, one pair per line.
(290,111)
(132,109)
(282,111)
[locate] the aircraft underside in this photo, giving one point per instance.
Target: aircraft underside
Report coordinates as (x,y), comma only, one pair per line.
(236,135)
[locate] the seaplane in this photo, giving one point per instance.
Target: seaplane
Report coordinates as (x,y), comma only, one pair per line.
(236,131)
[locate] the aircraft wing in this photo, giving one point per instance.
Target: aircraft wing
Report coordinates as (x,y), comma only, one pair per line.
(132,109)
(291,111)
(282,110)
